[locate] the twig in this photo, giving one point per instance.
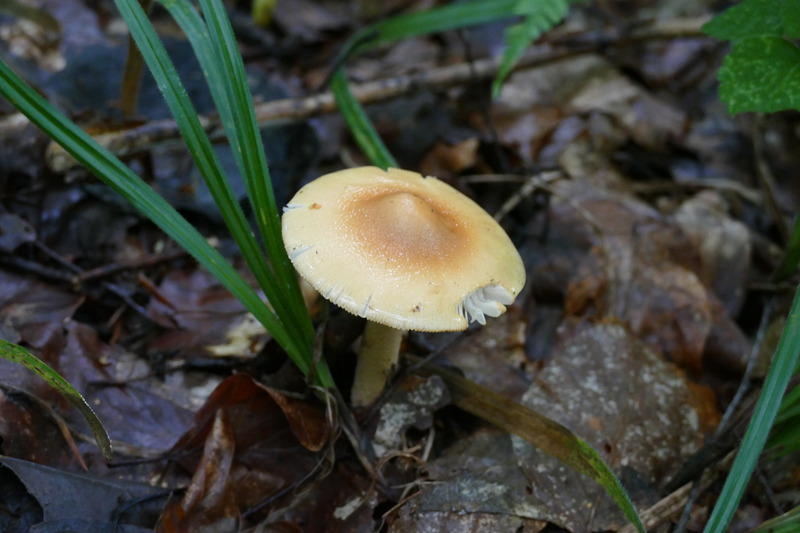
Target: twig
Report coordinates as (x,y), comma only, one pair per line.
(767,182)
(668,507)
(747,193)
(730,411)
(135,264)
(137,140)
(539,181)
(76,270)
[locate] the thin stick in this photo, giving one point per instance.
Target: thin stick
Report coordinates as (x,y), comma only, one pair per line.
(137,140)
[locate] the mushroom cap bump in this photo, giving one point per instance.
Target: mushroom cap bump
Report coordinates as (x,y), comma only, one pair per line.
(403,250)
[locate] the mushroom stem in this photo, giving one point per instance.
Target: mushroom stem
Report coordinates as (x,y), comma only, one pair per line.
(377,357)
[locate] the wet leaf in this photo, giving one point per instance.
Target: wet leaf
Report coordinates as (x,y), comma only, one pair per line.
(723,244)
(20,355)
(203,317)
(209,503)
(411,404)
(269,455)
(66,496)
(622,398)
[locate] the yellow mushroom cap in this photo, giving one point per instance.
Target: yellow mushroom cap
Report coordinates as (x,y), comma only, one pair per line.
(400,249)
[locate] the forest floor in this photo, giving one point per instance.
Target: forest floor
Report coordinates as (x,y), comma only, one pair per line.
(649,221)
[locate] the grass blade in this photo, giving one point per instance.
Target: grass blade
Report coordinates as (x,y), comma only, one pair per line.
(540,16)
(450,17)
(245,138)
(113,173)
(547,435)
(282,291)
(186,117)
(780,371)
(788,522)
(360,126)
(202,151)
(20,355)
(288,302)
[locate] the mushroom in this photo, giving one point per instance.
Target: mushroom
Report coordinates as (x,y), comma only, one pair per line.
(404,251)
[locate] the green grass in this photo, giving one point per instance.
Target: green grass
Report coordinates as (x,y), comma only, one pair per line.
(285,317)
(761,74)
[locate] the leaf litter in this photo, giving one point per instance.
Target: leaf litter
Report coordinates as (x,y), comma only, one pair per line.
(637,318)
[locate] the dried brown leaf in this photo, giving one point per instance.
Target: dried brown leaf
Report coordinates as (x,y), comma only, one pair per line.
(209,504)
(447,161)
(642,272)
(637,410)
(308,422)
(270,456)
(723,244)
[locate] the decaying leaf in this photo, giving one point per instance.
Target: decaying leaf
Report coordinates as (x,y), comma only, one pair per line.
(618,395)
(608,388)
(207,319)
(412,404)
(722,243)
(209,504)
(68,497)
(271,441)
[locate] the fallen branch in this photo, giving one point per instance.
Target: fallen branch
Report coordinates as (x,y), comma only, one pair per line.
(133,141)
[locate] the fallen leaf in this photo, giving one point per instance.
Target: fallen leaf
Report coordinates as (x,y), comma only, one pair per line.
(638,411)
(619,396)
(67,496)
(209,503)
(410,404)
(447,161)
(270,457)
(723,245)
(207,319)
(474,483)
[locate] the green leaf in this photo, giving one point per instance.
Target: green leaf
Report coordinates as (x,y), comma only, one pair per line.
(788,522)
(20,355)
(751,18)
(540,16)
(769,401)
(360,126)
(281,289)
(791,19)
(761,74)
(113,173)
(449,17)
